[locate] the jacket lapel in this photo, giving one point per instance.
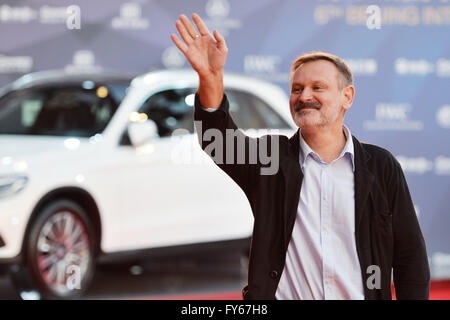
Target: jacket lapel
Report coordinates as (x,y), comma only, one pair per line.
(293,176)
(363,182)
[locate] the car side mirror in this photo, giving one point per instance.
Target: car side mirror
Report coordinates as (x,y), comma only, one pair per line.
(142,132)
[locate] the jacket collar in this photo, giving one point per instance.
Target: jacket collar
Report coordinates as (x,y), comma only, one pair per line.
(364,180)
(293,176)
(294,146)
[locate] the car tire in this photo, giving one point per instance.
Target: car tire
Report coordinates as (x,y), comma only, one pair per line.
(59,253)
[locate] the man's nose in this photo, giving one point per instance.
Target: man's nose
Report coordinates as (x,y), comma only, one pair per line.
(306,95)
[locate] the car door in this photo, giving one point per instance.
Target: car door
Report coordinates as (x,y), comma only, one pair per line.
(172,191)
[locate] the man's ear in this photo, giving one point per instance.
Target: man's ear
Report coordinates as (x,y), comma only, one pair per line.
(348,93)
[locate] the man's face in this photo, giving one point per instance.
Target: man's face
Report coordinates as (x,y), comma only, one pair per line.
(316,99)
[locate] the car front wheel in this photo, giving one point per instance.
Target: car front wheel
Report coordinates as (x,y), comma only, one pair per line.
(59,251)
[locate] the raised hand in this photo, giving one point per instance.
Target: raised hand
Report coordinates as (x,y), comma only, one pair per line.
(206,54)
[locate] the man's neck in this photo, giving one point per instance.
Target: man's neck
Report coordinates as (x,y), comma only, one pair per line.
(328,142)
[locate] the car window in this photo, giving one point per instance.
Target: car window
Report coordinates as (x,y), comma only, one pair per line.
(170,110)
(250,112)
(59,111)
(173,109)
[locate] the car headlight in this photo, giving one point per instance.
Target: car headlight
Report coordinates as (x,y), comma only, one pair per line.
(12,184)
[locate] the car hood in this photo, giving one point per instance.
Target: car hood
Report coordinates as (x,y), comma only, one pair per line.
(17,152)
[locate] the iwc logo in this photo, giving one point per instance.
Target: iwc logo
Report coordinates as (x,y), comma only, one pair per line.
(393,116)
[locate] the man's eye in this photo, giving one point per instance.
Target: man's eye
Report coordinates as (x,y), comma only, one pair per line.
(317,88)
(296,90)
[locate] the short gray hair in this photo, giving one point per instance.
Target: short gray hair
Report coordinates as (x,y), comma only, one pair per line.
(340,64)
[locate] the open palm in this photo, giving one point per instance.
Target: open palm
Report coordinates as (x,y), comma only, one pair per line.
(205,53)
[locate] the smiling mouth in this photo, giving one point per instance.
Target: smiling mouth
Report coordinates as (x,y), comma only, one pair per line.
(297,109)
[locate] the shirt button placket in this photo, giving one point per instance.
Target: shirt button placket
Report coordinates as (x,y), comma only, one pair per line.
(326,245)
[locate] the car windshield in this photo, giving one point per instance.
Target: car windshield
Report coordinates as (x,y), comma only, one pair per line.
(77,110)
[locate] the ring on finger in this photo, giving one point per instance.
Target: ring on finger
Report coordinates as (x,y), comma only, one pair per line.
(196,36)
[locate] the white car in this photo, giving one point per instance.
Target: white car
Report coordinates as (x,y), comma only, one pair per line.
(94,170)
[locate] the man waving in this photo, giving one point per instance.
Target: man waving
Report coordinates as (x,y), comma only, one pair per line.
(337,218)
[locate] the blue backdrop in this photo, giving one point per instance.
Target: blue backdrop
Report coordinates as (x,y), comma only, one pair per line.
(399,52)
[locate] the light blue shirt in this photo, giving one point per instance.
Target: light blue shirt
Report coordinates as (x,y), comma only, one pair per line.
(321,260)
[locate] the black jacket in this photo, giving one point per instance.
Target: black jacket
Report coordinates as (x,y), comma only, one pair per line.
(387,231)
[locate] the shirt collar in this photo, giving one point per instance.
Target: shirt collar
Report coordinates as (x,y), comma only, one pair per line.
(305,149)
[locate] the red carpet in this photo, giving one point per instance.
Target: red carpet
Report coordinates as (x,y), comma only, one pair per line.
(440,290)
